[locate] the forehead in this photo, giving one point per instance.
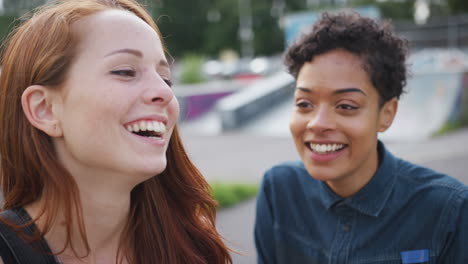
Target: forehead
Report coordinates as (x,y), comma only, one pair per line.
(116,29)
(336,69)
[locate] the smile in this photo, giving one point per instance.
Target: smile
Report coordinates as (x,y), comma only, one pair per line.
(150,129)
(325,148)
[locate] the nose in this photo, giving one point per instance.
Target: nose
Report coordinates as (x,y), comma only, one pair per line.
(158,91)
(322,120)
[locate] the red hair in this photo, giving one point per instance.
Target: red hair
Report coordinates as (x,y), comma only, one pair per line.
(173,213)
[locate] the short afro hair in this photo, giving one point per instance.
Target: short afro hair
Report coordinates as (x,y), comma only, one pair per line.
(383,54)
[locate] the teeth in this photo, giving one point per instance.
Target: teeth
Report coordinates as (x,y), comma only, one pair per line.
(323,148)
(155,126)
(142,126)
(149,126)
(136,128)
(161,127)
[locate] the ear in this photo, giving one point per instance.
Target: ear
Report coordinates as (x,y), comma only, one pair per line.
(39,103)
(387,114)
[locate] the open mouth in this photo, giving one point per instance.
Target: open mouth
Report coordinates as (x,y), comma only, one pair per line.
(149,129)
(324,149)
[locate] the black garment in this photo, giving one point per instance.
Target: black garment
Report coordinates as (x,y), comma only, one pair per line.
(13,249)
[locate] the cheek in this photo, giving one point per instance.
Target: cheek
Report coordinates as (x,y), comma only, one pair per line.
(174,109)
(293,125)
(297,125)
(363,126)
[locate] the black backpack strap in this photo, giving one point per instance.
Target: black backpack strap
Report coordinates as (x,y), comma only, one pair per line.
(37,252)
(6,252)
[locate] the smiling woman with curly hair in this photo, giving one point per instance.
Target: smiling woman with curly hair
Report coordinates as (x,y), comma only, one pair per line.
(349,200)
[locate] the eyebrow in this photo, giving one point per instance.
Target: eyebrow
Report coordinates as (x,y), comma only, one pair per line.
(137,53)
(129,51)
(338,91)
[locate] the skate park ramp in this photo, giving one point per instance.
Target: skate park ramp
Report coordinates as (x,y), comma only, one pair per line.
(432,100)
(436,94)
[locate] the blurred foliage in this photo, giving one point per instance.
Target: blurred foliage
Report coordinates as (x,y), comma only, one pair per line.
(19,7)
(191,69)
(6,24)
(450,126)
(187,26)
(458,6)
(230,194)
(209,26)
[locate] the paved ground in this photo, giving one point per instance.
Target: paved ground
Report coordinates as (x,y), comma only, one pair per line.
(237,157)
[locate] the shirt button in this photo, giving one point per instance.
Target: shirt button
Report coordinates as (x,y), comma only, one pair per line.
(345,228)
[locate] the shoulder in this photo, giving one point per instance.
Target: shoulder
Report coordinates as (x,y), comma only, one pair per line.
(290,175)
(288,180)
(432,187)
(6,234)
(418,175)
(7,219)
(286,172)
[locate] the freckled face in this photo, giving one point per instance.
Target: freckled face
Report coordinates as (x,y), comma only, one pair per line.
(119,80)
(336,119)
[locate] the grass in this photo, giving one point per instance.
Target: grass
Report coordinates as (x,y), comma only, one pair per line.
(230,194)
(449,126)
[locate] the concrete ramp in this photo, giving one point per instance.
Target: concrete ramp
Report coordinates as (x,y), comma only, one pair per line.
(432,100)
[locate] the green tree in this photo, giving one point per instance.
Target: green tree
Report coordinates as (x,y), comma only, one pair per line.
(188,27)
(458,6)
(182,24)
(222,31)
(269,38)
(19,7)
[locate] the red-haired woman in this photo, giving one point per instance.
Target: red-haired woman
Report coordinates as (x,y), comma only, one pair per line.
(92,166)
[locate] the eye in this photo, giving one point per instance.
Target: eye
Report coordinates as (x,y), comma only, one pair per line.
(168,82)
(347,107)
(303,104)
(124,73)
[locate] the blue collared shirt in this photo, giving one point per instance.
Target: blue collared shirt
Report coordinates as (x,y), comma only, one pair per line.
(405,214)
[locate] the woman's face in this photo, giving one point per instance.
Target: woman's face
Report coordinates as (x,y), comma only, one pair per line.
(118,110)
(336,120)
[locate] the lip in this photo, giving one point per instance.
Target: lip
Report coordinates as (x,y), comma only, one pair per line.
(159,142)
(324,158)
(159,118)
(323,142)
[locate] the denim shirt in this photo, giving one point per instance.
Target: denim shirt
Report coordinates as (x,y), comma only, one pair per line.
(404,214)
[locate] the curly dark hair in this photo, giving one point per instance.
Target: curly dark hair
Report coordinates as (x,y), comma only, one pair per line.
(383,54)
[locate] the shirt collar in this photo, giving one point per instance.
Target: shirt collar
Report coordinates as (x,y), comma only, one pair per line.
(371,199)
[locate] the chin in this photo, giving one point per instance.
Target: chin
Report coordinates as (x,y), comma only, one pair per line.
(322,174)
(150,169)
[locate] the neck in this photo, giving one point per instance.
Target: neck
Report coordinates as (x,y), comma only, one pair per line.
(105,210)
